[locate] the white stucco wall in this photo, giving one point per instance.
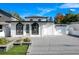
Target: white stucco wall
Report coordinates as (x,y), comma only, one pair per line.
(44,29)
(61,28)
(47,29)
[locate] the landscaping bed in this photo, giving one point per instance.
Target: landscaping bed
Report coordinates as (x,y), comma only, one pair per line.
(23,41)
(14,47)
(5,44)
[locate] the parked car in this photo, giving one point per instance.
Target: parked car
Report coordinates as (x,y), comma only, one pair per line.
(73,29)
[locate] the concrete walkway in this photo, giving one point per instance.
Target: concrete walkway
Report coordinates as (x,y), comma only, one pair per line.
(54,45)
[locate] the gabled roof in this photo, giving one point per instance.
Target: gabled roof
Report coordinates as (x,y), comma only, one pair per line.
(5,13)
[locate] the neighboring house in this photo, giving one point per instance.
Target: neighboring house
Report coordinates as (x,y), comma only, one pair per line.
(5,28)
(73,28)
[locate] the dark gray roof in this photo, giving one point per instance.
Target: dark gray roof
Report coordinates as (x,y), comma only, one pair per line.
(5,13)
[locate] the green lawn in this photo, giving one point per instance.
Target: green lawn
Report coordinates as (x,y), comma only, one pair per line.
(16,50)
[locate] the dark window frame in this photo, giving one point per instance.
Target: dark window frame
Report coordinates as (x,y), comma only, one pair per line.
(39,19)
(35,28)
(27,28)
(31,19)
(19,28)
(1,27)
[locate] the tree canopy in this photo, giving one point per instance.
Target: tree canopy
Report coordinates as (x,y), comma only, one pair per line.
(17,16)
(66,19)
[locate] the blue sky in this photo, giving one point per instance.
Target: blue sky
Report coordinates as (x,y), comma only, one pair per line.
(40,9)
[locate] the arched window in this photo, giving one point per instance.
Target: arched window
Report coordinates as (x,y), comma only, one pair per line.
(27,28)
(31,19)
(19,28)
(39,19)
(35,28)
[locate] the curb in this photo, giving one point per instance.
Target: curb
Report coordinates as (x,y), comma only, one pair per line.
(28,51)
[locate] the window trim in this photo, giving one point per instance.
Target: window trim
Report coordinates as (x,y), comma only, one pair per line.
(39,20)
(1,28)
(19,33)
(27,31)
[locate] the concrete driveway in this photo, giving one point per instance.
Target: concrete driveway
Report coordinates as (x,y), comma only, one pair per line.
(54,45)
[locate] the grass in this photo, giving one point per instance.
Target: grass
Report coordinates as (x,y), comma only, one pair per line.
(16,50)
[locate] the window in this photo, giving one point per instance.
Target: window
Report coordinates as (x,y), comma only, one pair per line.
(39,19)
(31,19)
(27,28)
(0,16)
(35,28)
(19,28)
(0,28)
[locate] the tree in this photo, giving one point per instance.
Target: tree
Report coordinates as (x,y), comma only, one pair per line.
(77,17)
(70,18)
(66,19)
(59,17)
(16,15)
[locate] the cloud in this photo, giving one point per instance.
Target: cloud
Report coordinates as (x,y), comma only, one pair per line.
(72,9)
(70,5)
(39,12)
(44,11)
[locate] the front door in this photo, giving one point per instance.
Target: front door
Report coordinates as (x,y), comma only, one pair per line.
(7,31)
(35,28)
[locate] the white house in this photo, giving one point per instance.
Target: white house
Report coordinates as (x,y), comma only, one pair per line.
(34,26)
(4,26)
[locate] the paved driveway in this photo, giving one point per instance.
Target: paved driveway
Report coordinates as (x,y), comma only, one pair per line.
(52,45)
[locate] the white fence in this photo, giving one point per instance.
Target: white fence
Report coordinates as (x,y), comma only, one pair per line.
(72,29)
(61,28)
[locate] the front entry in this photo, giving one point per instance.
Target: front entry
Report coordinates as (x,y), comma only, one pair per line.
(35,28)
(7,31)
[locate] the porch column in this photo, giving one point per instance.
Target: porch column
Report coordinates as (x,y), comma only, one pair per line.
(24,30)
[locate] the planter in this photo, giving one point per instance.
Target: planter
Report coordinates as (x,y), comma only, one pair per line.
(17,43)
(7,46)
(22,43)
(26,43)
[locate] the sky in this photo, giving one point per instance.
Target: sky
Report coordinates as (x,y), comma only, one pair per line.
(40,9)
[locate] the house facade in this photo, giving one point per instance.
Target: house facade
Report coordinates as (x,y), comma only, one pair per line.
(33,26)
(4,26)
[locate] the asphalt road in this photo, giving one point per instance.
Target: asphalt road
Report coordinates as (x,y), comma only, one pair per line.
(54,45)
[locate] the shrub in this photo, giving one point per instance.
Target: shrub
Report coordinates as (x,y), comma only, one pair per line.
(3,41)
(27,40)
